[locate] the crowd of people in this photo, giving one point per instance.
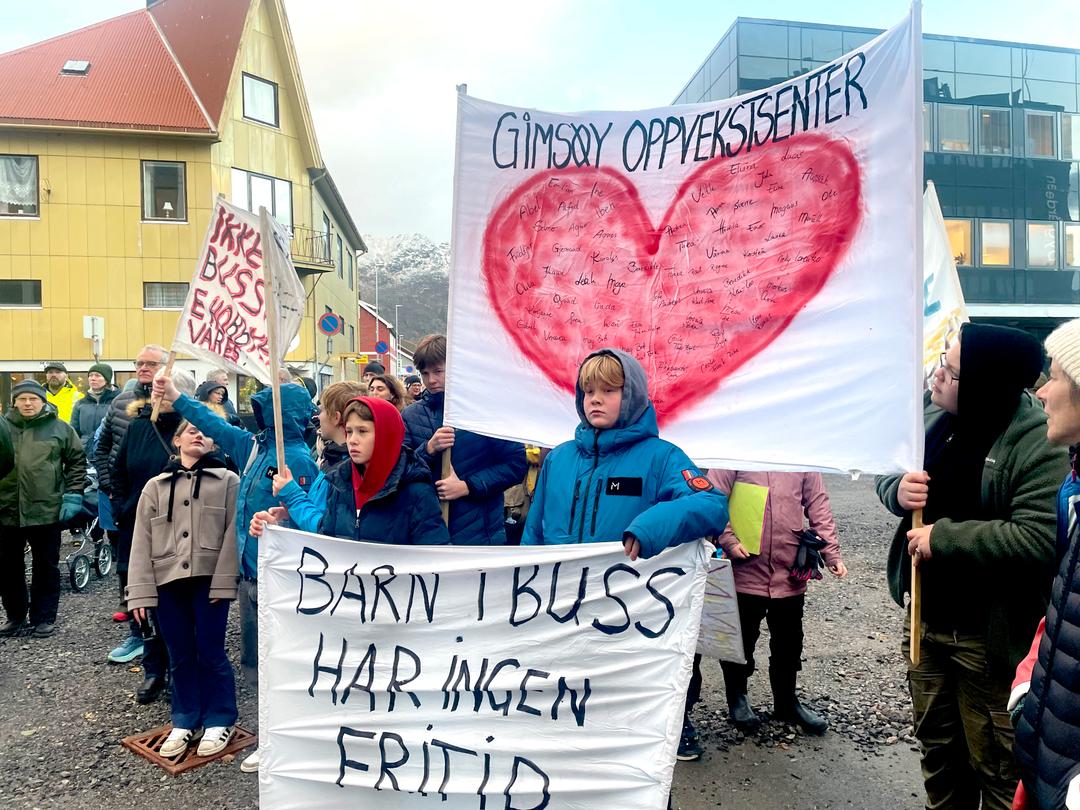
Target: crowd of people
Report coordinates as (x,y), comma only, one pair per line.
(186,490)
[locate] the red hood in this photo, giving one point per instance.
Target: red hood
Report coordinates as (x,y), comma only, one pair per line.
(389,436)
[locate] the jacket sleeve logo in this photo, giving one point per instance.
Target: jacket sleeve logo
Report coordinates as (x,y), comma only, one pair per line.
(696,481)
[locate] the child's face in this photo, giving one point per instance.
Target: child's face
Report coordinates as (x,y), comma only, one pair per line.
(360,439)
(602,404)
(434,378)
(192,444)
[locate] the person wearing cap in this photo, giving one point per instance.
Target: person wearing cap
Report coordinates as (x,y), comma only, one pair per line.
(61,391)
(43,492)
(413,386)
(90,410)
(372,369)
(1043,700)
(985,554)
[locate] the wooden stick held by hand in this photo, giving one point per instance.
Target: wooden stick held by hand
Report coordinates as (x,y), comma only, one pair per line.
(167,373)
(446,470)
(916,597)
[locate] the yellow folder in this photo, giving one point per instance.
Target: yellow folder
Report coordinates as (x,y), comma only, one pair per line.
(746,507)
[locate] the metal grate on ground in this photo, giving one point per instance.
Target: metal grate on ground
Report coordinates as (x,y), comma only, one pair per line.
(147,744)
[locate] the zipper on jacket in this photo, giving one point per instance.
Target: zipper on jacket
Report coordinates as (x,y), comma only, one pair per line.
(596,506)
(573,507)
(584,506)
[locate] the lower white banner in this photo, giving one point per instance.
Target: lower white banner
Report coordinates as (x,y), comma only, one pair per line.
(541,678)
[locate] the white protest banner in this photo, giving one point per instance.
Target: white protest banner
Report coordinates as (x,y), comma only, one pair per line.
(721,633)
(471,677)
(944,311)
(758,255)
(225,319)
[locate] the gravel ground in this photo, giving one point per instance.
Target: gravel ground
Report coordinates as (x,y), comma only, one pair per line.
(64,709)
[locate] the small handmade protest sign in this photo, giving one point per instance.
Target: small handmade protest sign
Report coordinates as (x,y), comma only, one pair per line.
(758,255)
(225,319)
(721,633)
(459,677)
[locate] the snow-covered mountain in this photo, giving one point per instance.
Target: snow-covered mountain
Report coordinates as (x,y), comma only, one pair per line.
(413,271)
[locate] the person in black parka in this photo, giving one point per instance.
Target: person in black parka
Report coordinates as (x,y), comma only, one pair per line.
(482,468)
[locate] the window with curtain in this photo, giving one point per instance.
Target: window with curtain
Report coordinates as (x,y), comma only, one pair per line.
(954,127)
(18,185)
(1042,244)
(995,238)
(164,294)
(163,192)
(1070,137)
(260,100)
(1039,134)
(994,132)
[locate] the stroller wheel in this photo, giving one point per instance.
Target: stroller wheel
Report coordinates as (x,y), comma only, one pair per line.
(103,559)
(79,573)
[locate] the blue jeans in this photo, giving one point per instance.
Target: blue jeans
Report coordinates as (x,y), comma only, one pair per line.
(203,687)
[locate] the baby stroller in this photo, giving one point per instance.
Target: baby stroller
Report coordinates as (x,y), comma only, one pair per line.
(86,540)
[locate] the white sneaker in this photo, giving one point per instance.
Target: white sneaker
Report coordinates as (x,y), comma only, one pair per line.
(251,764)
(214,740)
(177,742)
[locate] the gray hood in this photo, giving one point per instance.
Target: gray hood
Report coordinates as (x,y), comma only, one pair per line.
(635,398)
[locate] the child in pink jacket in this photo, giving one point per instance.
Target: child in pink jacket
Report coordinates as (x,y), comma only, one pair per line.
(767,589)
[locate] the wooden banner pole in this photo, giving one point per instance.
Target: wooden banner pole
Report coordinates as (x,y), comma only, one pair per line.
(446,470)
(916,597)
(267,235)
(167,373)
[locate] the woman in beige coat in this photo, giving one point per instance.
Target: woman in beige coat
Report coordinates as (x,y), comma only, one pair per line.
(184,563)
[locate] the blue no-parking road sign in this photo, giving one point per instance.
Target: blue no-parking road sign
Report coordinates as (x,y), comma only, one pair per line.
(381,347)
(331,323)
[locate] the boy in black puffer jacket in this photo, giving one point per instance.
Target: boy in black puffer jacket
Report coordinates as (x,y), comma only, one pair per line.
(380,494)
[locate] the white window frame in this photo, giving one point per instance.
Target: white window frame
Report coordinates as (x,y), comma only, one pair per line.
(146,287)
(996,221)
(257,81)
(1054,133)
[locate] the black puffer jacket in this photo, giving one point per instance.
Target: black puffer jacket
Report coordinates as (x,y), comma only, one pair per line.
(404,512)
(488,466)
(144,453)
(112,436)
(88,413)
(1047,744)
(7,450)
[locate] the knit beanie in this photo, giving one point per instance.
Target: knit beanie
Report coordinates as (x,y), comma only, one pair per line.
(1063,345)
(28,387)
(374,367)
(104,369)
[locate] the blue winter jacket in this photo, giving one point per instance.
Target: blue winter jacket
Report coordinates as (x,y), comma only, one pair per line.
(607,483)
(488,466)
(404,511)
(256,489)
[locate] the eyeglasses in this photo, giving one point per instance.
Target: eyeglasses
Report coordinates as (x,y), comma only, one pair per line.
(948,371)
(155,363)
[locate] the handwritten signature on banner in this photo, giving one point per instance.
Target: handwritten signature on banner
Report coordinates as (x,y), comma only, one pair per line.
(572,262)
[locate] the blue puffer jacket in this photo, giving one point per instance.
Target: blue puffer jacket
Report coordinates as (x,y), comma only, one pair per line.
(404,512)
(488,466)
(256,490)
(624,479)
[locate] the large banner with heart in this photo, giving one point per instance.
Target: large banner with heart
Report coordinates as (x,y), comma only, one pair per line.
(759,255)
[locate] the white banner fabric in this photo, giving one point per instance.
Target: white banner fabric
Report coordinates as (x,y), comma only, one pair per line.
(224,321)
(757,254)
(944,310)
(472,677)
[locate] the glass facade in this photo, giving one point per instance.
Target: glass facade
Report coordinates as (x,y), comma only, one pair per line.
(1001,135)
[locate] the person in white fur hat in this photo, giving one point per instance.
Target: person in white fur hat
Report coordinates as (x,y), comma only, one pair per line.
(1043,701)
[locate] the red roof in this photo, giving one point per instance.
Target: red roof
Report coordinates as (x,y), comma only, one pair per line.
(135,79)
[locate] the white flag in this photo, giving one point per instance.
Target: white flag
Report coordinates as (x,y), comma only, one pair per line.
(943,299)
(225,317)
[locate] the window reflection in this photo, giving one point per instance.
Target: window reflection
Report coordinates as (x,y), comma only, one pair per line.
(994,132)
(1041,244)
(954,128)
(1039,134)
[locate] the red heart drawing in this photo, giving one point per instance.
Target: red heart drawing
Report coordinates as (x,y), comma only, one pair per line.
(572,263)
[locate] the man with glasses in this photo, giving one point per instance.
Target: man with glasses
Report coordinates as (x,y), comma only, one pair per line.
(149,360)
(985,555)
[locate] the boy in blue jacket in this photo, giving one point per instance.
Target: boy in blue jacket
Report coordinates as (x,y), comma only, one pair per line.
(482,468)
(628,483)
(254,454)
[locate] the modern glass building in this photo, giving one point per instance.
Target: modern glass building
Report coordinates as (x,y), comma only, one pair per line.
(1001,135)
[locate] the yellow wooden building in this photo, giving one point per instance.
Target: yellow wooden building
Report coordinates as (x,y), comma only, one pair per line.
(115,140)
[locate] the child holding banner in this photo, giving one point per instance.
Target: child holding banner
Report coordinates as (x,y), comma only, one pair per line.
(382,494)
(184,563)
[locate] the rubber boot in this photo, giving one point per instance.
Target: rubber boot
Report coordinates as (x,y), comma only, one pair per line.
(742,715)
(786,705)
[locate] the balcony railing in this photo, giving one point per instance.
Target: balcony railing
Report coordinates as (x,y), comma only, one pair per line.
(311,248)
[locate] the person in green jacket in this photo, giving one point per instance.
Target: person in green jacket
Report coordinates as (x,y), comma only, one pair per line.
(7,452)
(44,491)
(985,555)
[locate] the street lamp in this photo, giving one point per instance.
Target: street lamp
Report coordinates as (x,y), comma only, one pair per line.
(397,340)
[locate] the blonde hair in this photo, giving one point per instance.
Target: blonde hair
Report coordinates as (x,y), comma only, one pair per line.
(335,397)
(603,369)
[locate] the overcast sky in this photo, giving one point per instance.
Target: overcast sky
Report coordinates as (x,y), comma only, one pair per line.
(380,77)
